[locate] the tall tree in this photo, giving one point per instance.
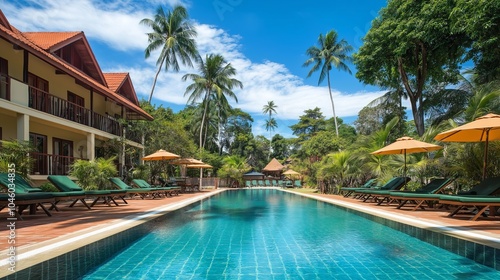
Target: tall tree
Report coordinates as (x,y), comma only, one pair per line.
(214,82)
(309,124)
(480,20)
(411,45)
(270,109)
(328,54)
(175,36)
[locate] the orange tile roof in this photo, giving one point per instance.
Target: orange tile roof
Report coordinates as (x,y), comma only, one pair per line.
(46,40)
(115,80)
(18,38)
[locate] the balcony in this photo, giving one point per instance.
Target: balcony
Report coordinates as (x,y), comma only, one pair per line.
(47,164)
(48,103)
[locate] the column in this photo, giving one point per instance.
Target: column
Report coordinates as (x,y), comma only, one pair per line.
(23,127)
(90,146)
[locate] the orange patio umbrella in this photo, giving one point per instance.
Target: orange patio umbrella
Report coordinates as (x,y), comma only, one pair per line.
(406,145)
(483,129)
(161,155)
(201,166)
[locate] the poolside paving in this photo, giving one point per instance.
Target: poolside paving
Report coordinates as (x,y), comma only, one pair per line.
(39,229)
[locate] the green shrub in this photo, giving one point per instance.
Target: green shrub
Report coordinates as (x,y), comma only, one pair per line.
(94,174)
(48,187)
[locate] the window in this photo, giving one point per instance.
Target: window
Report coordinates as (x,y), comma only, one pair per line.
(39,89)
(40,155)
(62,157)
(4,79)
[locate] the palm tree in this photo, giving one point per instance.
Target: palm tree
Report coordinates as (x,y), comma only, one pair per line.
(174,35)
(329,53)
(270,108)
(270,126)
(213,83)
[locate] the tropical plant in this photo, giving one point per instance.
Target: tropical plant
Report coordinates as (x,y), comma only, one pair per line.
(233,169)
(271,124)
(328,54)
(16,153)
(93,174)
(213,83)
(174,35)
(270,109)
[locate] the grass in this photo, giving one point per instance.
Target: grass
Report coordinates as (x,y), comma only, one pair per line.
(304,190)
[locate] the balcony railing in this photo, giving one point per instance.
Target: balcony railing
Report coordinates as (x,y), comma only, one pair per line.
(47,164)
(48,103)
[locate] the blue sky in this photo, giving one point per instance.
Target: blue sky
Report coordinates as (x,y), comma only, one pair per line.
(264,40)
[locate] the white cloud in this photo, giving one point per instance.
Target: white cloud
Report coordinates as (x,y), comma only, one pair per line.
(116,24)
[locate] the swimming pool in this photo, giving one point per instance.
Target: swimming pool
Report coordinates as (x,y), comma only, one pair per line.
(270,234)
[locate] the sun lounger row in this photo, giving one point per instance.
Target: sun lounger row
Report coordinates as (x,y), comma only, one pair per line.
(22,196)
(274,183)
(480,198)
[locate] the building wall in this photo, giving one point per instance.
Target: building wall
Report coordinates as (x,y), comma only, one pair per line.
(15,58)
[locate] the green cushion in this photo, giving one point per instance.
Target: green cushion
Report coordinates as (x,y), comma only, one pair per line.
(491,199)
(22,186)
(64,183)
(486,187)
(119,183)
(27,196)
(141,183)
(416,195)
(66,194)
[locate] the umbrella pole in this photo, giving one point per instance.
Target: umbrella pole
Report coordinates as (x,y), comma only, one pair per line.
(404,170)
(201,178)
(486,153)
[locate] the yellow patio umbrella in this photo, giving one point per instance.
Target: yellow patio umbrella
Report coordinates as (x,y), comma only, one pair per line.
(183,162)
(406,145)
(483,129)
(203,165)
(291,172)
(161,155)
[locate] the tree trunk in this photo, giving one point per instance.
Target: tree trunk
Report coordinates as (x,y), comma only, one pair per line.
(415,98)
(203,122)
(154,82)
(333,106)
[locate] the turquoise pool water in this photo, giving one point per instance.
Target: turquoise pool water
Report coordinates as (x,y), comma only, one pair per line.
(270,234)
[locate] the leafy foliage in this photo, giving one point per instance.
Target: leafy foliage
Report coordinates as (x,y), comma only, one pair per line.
(17,153)
(94,174)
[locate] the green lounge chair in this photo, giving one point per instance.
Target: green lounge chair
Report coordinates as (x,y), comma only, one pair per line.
(297,184)
(267,183)
(485,189)
(23,186)
(248,184)
(288,184)
(281,183)
(435,186)
(260,183)
(27,200)
(65,184)
(141,192)
(480,197)
(274,183)
(254,183)
(394,184)
(346,192)
(174,189)
(166,190)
